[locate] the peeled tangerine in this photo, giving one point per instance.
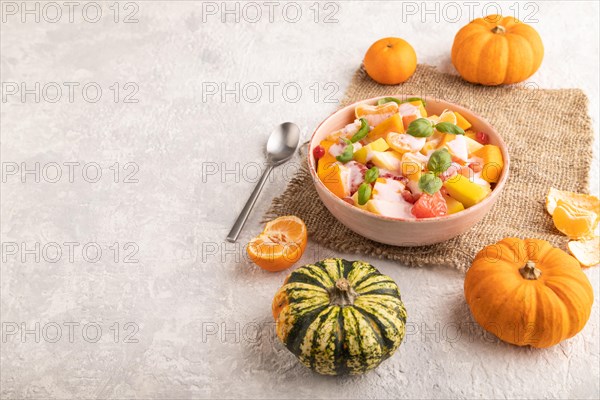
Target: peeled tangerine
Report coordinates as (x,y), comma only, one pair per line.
(575,222)
(280,245)
(404,143)
(376,114)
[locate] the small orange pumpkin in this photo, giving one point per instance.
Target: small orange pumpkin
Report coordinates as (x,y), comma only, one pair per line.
(497,50)
(527,292)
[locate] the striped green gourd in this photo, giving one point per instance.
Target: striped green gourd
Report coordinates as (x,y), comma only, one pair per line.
(339,317)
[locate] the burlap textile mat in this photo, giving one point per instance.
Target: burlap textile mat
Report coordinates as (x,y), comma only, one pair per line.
(549,135)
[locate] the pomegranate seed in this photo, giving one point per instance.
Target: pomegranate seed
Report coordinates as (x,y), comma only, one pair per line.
(318,152)
(482,138)
(407,195)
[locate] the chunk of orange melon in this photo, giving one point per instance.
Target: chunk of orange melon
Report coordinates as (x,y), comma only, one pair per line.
(493,163)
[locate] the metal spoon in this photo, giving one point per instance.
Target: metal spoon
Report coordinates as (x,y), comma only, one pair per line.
(281,146)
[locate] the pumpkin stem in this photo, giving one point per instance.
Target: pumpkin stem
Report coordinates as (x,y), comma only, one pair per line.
(529,271)
(342,294)
(499,29)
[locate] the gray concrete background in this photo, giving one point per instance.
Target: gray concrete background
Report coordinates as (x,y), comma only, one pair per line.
(166,308)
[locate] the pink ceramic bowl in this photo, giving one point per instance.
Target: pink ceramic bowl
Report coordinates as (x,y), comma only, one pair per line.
(402,232)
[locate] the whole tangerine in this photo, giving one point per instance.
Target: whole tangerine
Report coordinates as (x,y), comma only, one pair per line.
(390,61)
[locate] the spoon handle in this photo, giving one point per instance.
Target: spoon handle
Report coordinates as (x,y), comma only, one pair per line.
(241,220)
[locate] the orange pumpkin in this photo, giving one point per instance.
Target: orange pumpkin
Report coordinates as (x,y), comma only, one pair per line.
(527,292)
(497,50)
(390,61)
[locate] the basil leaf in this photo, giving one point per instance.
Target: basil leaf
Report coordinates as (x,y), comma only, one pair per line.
(347,154)
(362,132)
(429,183)
(421,127)
(364,193)
(447,127)
(439,161)
(371,175)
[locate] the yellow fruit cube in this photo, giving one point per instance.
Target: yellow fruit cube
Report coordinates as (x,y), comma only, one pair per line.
(389,160)
(454,205)
(364,153)
(465,191)
(461,121)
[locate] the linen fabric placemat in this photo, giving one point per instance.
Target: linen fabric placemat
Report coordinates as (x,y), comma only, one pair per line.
(549,136)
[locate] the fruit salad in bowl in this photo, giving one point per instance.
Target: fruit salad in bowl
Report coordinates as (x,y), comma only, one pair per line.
(393,161)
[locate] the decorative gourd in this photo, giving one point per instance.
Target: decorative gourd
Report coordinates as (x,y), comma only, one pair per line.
(527,292)
(497,50)
(339,317)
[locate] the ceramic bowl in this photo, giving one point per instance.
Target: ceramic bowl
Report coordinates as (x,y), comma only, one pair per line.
(404,232)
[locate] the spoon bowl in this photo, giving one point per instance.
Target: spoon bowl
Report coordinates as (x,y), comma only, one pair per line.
(282,143)
(281,146)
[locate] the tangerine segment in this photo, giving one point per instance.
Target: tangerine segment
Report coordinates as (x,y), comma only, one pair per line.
(573,221)
(447,116)
(585,201)
(376,114)
(280,245)
(587,252)
(404,143)
(366,109)
(288,228)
